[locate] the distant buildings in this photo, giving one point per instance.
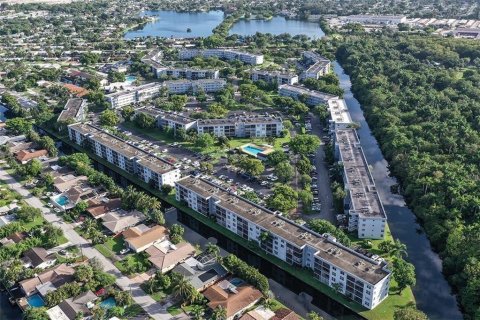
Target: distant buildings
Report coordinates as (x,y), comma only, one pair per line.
(170,120)
(186,73)
(374,19)
(227,54)
(133,160)
(362,279)
(274,77)
(194,86)
(312,97)
(467,33)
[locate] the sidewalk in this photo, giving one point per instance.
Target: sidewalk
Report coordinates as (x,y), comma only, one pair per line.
(150,306)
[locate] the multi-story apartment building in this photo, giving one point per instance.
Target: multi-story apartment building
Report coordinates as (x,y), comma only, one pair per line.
(134,95)
(362,279)
(167,119)
(145,165)
(194,86)
(316,65)
(243,126)
(227,54)
(362,204)
(313,97)
(339,115)
(274,77)
(75,110)
(186,73)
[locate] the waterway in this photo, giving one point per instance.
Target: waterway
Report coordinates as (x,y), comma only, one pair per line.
(174,24)
(278,25)
(7,311)
(432,292)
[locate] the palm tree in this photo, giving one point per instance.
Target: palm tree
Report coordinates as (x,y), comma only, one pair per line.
(219,313)
(184,290)
(151,285)
(269,303)
(213,249)
(398,249)
(197,312)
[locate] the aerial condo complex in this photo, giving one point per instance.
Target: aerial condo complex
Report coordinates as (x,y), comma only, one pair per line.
(270,160)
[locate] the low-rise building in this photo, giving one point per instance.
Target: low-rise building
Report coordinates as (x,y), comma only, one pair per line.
(194,86)
(274,77)
(362,203)
(316,65)
(38,257)
(467,33)
(243,126)
(52,278)
(70,308)
(362,279)
(166,119)
(234,298)
(145,165)
(134,95)
(120,220)
(141,237)
(75,110)
(98,207)
(339,115)
(202,271)
(312,97)
(186,73)
(26,155)
(166,255)
(227,54)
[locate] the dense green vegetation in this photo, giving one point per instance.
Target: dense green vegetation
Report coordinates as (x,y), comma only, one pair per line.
(421,96)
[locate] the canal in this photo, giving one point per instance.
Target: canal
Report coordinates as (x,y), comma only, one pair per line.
(432,292)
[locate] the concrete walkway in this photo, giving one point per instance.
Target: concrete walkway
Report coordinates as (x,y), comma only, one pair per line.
(153,308)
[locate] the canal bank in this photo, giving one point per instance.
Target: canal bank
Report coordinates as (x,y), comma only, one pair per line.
(432,292)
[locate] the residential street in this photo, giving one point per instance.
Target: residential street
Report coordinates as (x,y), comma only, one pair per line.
(153,308)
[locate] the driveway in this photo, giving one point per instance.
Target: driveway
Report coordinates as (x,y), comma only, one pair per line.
(153,308)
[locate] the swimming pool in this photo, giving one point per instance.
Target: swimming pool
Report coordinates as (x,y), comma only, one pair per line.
(130,79)
(62,200)
(237,282)
(35,301)
(108,303)
(252,150)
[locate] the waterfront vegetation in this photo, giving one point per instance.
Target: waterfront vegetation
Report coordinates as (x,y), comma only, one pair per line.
(429,134)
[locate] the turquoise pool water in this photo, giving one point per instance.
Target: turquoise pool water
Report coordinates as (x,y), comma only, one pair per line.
(35,301)
(62,200)
(252,150)
(130,79)
(108,303)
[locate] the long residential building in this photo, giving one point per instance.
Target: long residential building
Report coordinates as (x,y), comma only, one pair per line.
(134,95)
(274,77)
(362,204)
(227,54)
(240,126)
(186,73)
(194,86)
(145,165)
(313,97)
(374,19)
(244,126)
(362,279)
(316,65)
(75,109)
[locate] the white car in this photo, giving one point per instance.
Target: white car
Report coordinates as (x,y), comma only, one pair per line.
(123,251)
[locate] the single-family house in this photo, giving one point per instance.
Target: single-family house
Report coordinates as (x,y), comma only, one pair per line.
(98,207)
(69,308)
(23,156)
(235,299)
(54,277)
(120,220)
(202,271)
(165,255)
(38,257)
(141,237)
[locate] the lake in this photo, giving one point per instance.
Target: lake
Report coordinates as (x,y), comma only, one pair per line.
(278,25)
(174,24)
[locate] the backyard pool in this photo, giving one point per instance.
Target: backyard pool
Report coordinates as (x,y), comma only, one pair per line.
(237,282)
(108,303)
(35,301)
(62,200)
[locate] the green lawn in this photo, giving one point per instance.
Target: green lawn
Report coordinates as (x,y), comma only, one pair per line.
(115,244)
(107,253)
(174,310)
(133,263)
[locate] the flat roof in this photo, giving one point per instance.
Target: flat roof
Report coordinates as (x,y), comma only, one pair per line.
(302,90)
(166,115)
(275,73)
(124,148)
(339,111)
(343,257)
(252,119)
(135,89)
(359,180)
(71,109)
